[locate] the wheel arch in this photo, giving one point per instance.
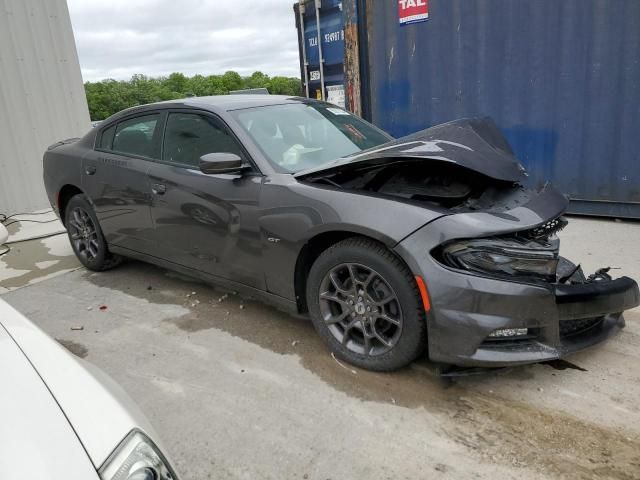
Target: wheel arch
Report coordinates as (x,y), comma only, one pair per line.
(318,243)
(64,195)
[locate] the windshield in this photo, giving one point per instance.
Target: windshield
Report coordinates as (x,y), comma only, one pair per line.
(299,136)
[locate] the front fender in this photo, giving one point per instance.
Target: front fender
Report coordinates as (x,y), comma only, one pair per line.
(293,213)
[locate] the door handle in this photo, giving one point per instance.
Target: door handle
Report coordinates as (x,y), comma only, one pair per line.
(158,189)
(90,170)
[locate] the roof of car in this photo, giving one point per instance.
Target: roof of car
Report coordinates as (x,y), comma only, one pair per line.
(234,102)
(215,103)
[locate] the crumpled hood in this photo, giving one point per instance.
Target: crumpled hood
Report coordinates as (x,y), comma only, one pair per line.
(476,144)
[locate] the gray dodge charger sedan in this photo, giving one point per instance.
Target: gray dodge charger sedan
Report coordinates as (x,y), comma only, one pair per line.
(431,242)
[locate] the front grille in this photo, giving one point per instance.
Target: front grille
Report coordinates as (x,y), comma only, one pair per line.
(569,328)
(549,228)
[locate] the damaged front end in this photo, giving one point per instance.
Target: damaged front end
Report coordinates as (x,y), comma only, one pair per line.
(500,292)
(532,256)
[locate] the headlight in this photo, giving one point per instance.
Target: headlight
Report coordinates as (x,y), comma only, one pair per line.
(499,256)
(137,458)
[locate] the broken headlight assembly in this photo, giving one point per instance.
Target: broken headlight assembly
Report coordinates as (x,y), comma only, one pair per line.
(505,257)
(137,458)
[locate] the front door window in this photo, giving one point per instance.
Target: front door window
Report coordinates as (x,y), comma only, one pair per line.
(189,136)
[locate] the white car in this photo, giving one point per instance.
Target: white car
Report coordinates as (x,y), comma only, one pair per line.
(63,419)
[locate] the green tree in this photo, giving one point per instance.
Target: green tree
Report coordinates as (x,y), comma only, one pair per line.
(216,85)
(109,96)
(257,80)
(198,86)
(232,81)
(285,86)
(176,82)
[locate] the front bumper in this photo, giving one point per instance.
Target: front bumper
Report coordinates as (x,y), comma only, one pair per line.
(561,320)
(466,308)
(584,315)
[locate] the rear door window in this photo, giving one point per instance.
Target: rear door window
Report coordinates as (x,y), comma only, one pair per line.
(138,136)
(189,136)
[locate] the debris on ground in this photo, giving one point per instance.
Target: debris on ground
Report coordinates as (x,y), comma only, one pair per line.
(89,308)
(241,307)
(223,298)
(103,307)
(294,343)
(440,467)
(80,327)
(346,368)
(149,287)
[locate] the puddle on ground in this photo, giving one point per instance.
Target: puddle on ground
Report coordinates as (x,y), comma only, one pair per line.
(77,349)
(33,259)
(13,228)
(496,429)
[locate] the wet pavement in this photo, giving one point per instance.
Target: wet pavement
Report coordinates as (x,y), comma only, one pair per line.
(30,261)
(240,390)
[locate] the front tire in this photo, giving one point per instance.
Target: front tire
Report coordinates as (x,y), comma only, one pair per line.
(86,236)
(365,305)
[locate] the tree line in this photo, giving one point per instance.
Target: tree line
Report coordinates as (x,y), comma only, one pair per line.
(109,96)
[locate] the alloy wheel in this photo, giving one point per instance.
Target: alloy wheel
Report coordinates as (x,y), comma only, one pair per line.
(83,234)
(360,308)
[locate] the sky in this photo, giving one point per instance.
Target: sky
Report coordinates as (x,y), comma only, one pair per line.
(119,38)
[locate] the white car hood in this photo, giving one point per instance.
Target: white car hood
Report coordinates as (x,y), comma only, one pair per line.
(36,441)
(98,410)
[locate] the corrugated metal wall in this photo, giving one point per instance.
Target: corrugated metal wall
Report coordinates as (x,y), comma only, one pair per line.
(42,97)
(560,77)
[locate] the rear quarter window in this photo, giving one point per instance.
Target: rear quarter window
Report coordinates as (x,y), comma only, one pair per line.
(106,138)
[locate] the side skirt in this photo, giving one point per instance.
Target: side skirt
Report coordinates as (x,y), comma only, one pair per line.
(281,303)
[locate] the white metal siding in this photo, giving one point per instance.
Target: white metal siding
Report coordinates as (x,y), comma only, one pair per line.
(42,97)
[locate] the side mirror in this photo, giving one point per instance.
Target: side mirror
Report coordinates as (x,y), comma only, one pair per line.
(213,163)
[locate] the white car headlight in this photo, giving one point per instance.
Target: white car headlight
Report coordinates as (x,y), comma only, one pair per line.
(137,458)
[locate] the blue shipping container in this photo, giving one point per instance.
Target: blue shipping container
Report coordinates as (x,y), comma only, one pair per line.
(560,77)
(325,78)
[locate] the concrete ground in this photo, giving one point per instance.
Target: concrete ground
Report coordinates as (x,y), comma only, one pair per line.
(239,390)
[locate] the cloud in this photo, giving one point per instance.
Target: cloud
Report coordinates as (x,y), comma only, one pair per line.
(119,38)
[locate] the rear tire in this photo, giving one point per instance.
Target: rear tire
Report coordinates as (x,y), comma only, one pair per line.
(86,236)
(365,305)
